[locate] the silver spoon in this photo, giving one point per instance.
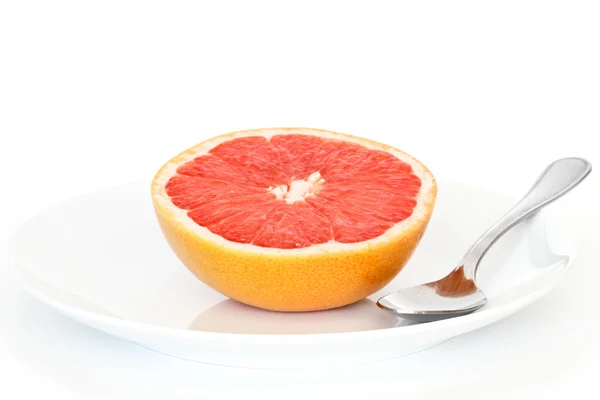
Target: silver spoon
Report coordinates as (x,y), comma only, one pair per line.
(457,293)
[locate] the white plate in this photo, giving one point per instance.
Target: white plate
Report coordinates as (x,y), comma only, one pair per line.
(101,259)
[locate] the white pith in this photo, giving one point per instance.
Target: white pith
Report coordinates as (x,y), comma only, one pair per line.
(300,189)
(424,198)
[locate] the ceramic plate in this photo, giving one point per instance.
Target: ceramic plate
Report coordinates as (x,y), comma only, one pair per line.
(102,260)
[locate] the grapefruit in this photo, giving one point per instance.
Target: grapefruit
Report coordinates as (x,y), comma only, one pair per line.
(293,219)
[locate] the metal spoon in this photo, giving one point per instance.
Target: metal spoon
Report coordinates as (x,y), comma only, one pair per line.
(457,293)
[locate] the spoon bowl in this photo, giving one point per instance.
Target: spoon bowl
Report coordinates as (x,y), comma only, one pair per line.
(451,296)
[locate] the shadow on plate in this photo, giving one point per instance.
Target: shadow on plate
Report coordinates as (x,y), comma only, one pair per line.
(231,316)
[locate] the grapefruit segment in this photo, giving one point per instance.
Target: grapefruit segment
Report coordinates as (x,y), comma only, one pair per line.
(350,222)
(241,226)
(255,156)
(226,207)
(293,219)
(333,155)
(293,226)
(296,153)
(213,168)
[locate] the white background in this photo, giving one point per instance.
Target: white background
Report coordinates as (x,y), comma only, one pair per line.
(93,94)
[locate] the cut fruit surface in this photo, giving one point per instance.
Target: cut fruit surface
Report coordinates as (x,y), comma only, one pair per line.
(247,202)
(295,190)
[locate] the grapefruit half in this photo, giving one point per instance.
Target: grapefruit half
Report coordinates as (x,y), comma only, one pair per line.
(293,219)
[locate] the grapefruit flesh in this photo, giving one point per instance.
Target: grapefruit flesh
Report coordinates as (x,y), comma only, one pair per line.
(295,191)
(294,219)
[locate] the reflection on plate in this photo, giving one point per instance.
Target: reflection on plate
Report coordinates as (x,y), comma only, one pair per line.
(111,269)
(231,316)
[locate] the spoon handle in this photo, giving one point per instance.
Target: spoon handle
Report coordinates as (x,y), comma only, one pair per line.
(557,179)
